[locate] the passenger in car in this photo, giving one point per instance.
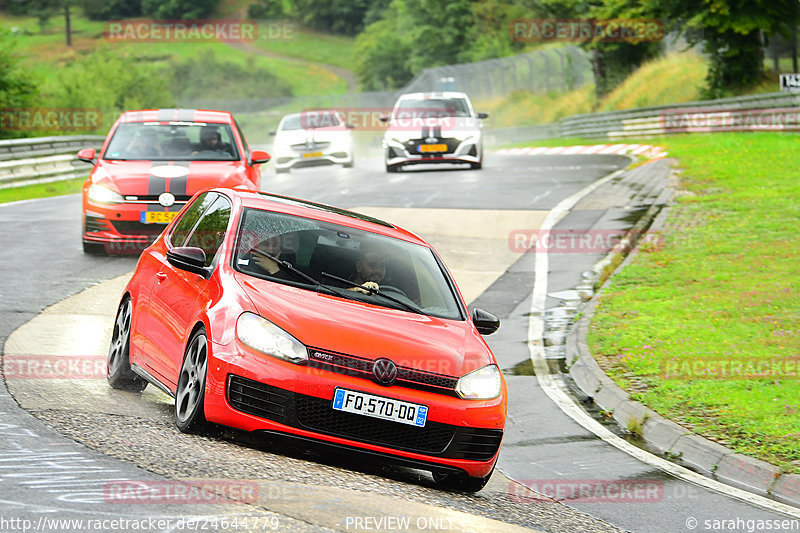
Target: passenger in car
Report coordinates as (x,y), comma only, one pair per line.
(145,145)
(262,262)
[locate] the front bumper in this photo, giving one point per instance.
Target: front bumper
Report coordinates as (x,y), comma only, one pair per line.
(299,159)
(119,227)
(396,153)
(262,394)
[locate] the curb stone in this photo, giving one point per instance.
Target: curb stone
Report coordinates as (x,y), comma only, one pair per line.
(668,438)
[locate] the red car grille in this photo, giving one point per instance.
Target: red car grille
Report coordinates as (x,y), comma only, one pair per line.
(361,367)
(316,414)
(131,227)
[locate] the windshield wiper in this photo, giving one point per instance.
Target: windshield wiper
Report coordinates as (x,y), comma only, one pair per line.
(411,307)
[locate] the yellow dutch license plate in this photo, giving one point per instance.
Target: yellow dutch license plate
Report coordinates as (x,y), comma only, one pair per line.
(427,148)
(313,154)
(158,217)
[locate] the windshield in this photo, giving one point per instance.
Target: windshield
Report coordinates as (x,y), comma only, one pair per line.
(311,253)
(187,141)
(432,108)
(309,120)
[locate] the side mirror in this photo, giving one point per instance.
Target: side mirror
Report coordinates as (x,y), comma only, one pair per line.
(188,258)
(482,115)
(259,156)
(384,118)
(87,155)
(486,323)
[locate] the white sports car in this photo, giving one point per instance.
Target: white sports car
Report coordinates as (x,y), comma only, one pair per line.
(433,128)
(312,138)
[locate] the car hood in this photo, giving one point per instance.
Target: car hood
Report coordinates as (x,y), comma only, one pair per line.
(449,347)
(289,137)
(141,178)
(458,127)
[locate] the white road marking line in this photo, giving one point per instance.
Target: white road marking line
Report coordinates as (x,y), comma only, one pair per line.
(556,390)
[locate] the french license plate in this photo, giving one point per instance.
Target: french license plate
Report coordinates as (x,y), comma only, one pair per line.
(427,148)
(380,407)
(313,154)
(157,217)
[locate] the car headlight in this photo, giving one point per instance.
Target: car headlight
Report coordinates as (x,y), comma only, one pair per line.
(104,195)
(262,335)
(481,384)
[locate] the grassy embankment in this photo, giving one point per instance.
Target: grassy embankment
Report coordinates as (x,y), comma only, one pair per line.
(721,287)
(46,56)
(674,78)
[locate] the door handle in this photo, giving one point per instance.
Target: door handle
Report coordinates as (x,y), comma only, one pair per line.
(161,276)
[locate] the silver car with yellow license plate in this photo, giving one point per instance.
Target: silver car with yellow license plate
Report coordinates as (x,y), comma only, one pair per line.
(312,138)
(426,128)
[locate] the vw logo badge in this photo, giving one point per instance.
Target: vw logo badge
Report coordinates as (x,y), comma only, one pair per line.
(166,199)
(385,371)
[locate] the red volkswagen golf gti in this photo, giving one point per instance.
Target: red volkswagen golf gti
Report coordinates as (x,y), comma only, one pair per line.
(281,316)
(151,163)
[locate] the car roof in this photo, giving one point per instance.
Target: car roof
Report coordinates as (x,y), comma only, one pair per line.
(322,212)
(176,115)
(447,94)
(307,111)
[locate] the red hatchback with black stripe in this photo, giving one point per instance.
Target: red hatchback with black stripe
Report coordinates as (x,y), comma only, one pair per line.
(151,164)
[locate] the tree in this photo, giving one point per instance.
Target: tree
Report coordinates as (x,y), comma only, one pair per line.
(731,34)
(333,16)
(615,60)
(18,88)
(179,9)
(111,9)
(382,51)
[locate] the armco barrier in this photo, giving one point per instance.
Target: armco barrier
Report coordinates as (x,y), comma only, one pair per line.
(645,121)
(43,159)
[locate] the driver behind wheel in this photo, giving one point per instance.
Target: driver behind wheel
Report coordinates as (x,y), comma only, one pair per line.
(370,268)
(211,140)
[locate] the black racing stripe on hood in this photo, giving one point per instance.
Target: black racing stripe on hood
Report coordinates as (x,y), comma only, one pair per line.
(185,115)
(155,186)
(178,186)
(437,131)
(166,115)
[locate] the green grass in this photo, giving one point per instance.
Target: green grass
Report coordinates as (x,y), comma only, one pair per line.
(286,38)
(721,284)
(43,190)
(47,52)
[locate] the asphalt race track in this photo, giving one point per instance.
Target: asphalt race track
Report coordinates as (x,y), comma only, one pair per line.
(468,216)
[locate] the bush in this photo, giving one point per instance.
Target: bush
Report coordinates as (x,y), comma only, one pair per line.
(110,82)
(206,77)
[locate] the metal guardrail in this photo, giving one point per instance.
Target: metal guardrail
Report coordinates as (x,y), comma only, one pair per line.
(709,116)
(43,159)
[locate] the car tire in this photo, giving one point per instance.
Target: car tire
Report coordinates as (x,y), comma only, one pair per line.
(118,365)
(94,248)
(392,168)
(461,482)
(191,390)
(281,170)
(349,164)
(476,166)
